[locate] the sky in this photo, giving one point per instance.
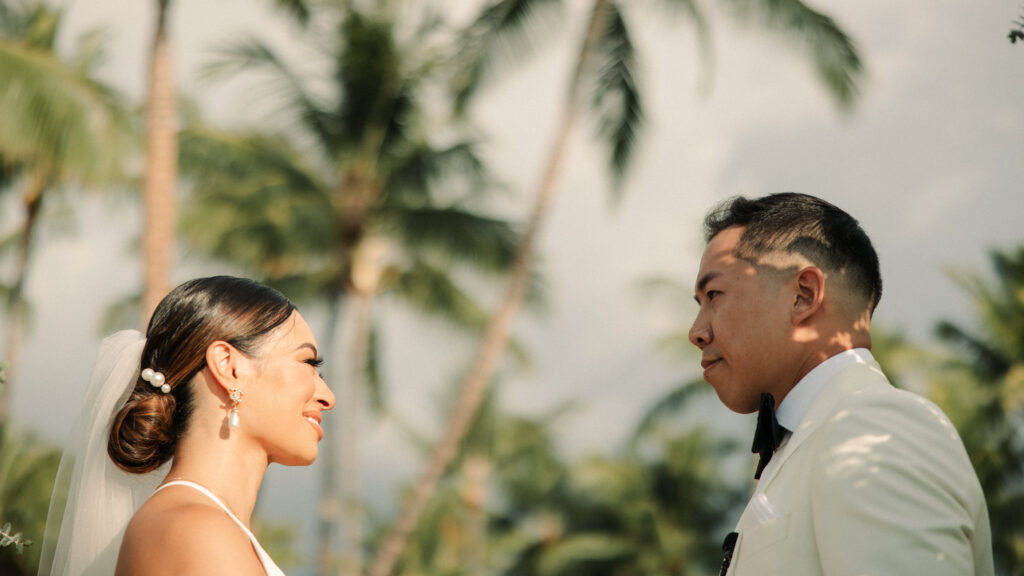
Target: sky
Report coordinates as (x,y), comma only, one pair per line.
(929,160)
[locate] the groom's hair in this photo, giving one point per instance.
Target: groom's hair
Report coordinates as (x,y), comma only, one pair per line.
(239,311)
(802,224)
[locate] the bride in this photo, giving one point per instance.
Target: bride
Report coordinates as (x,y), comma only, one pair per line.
(177,430)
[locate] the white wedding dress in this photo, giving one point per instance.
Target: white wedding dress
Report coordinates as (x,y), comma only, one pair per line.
(268,564)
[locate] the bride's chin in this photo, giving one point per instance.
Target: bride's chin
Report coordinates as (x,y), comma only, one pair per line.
(295,459)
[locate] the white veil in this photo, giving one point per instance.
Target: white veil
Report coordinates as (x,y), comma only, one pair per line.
(83,532)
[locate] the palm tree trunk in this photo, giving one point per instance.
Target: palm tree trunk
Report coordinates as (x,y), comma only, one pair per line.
(476,471)
(475,385)
(329,510)
(161,171)
(352,411)
(367,268)
(341,505)
(33,202)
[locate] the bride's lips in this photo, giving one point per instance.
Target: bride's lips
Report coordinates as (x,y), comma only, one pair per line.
(314,419)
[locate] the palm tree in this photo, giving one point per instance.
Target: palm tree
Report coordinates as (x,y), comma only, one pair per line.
(160,174)
(61,127)
(981,390)
(361,198)
(161,170)
(605,71)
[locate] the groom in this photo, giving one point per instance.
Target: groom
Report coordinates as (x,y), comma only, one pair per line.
(855,476)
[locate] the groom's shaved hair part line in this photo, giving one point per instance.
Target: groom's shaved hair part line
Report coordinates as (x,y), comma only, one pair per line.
(802,224)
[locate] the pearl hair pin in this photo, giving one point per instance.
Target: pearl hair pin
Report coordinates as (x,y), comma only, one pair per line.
(156,380)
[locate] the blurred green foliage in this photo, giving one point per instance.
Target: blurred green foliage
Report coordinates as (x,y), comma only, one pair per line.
(28,467)
(980,384)
(514,504)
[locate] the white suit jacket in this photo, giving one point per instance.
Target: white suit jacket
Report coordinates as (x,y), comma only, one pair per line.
(874,481)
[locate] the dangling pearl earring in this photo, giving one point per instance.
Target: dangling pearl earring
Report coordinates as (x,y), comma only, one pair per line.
(236,399)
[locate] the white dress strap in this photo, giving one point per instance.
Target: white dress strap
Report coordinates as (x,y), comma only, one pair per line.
(268,563)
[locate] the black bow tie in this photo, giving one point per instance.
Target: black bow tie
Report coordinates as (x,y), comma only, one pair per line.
(768,434)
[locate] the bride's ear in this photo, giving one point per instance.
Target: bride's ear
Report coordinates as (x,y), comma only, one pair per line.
(226,364)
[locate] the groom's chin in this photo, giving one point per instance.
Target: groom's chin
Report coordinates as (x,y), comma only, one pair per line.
(737,403)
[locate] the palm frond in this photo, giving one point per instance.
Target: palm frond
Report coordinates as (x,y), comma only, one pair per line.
(423,171)
(833,53)
(432,291)
(526,459)
(1000,309)
(91,51)
(667,407)
(55,116)
(982,390)
(616,96)
(242,55)
(505,32)
(12,21)
(299,10)
(249,54)
(379,108)
(987,361)
(250,196)
(1004,308)
(691,10)
(1017,32)
(577,553)
(41,25)
(1005,509)
(486,243)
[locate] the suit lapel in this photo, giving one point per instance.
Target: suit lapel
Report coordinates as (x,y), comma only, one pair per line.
(850,380)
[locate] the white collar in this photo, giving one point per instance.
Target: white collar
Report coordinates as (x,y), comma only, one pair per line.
(798,401)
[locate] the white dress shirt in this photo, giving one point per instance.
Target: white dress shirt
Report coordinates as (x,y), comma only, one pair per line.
(799,399)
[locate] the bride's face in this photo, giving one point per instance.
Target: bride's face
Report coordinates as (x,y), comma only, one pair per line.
(283,404)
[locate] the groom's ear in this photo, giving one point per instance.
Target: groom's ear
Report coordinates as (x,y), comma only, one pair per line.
(809,294)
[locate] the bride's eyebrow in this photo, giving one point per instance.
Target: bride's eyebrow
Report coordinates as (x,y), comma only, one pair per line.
(310,346)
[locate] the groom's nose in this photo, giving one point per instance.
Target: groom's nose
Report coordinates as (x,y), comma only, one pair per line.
(700,332)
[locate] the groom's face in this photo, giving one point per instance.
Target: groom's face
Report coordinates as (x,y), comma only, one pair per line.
(741,328)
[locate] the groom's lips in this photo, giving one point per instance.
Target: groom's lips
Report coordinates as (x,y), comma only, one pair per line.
(707,364)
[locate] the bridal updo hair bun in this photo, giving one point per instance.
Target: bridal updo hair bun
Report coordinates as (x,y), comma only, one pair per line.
(145,430)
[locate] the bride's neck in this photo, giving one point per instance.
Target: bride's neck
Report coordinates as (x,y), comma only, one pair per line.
(225,466)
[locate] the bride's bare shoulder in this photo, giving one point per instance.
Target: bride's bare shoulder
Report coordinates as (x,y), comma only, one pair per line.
(180,531)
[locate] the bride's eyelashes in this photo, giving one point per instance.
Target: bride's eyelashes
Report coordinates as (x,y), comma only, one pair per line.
(316,363)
